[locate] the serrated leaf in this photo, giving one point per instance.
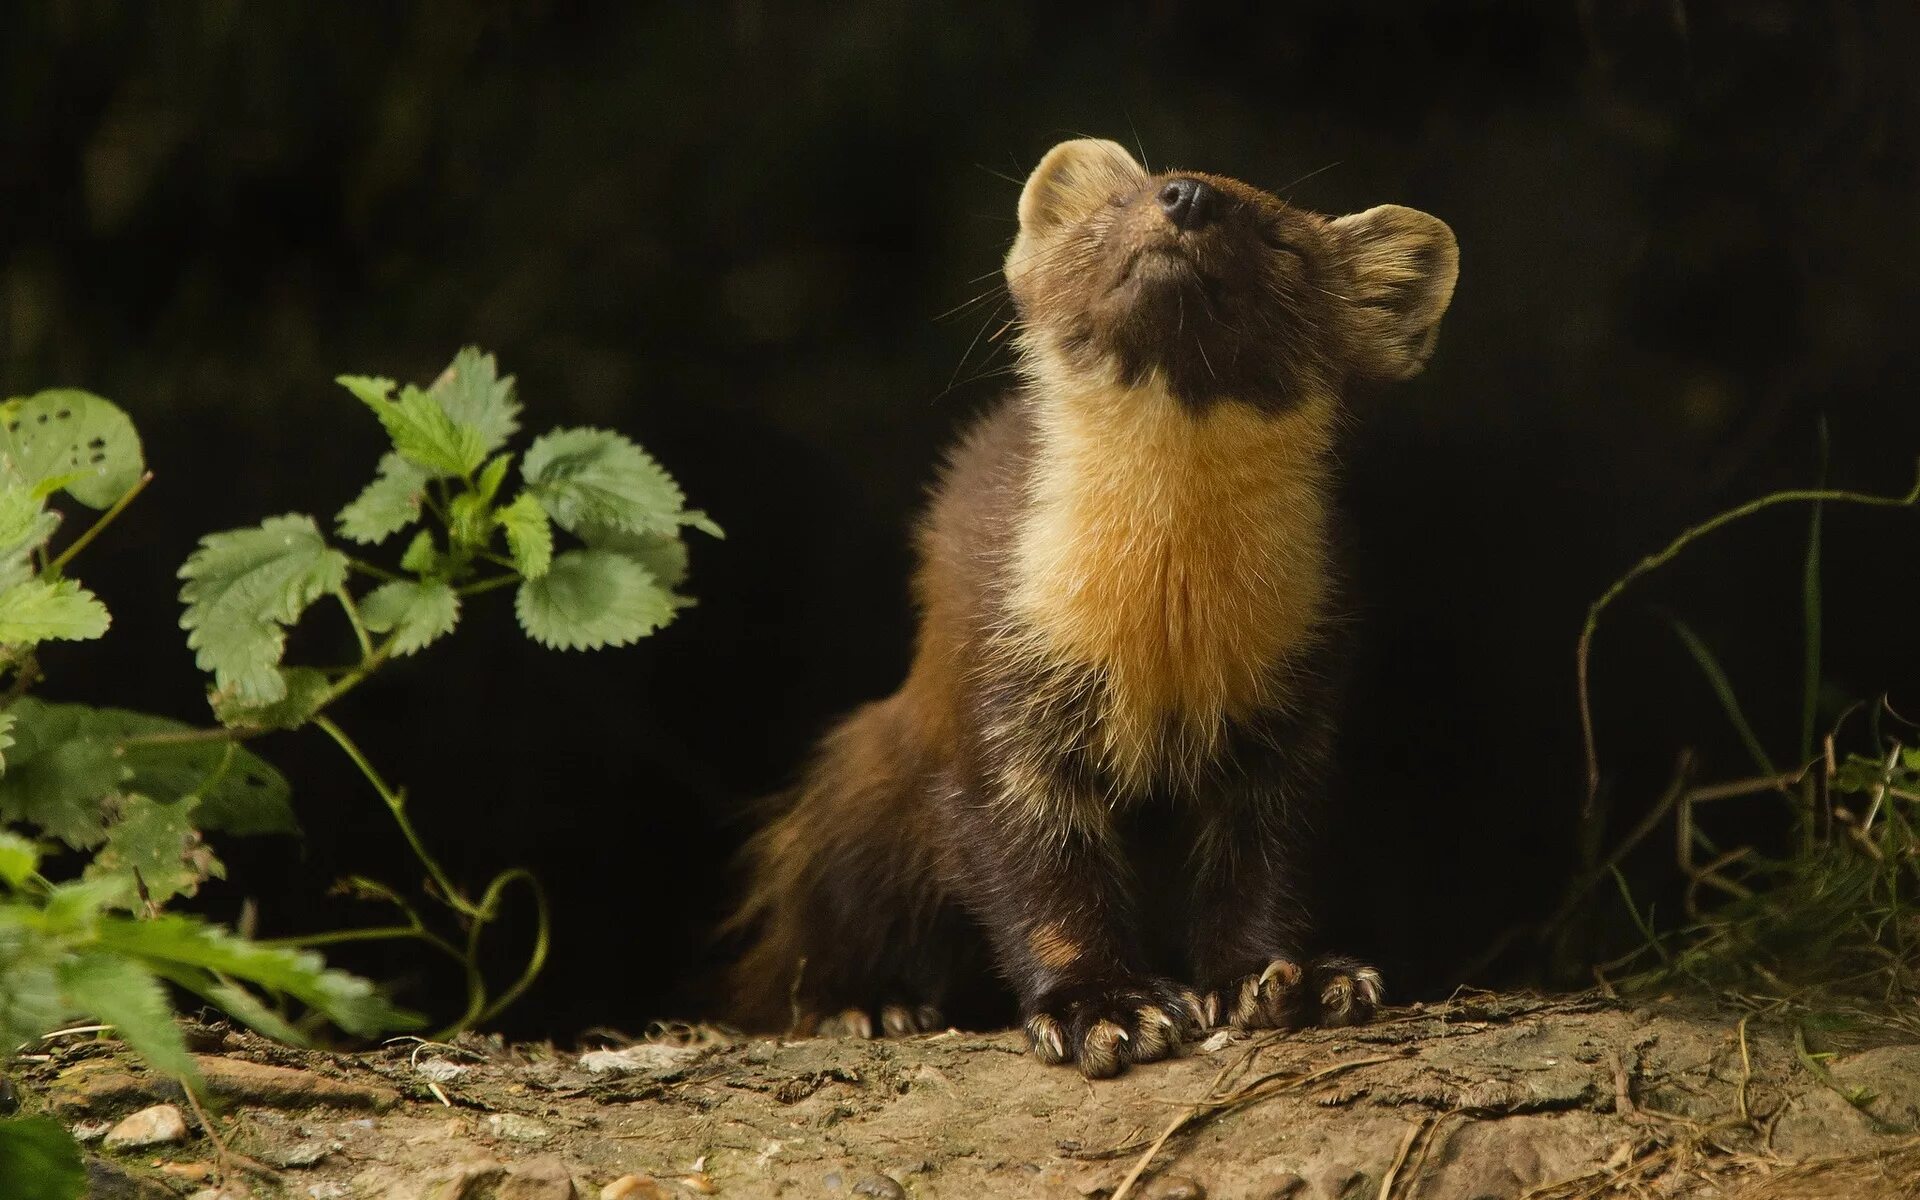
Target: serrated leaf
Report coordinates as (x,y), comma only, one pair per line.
(422,558)
(664,555)
(369,389)
(239,792)
(594,477)
(123,993)
(155,852)
(39,1160)
(58,777)
(70,439)
(19,859)
(417,613)
(529,535)
(306,690)
(695,518)
(487,484)
(592,598)
(25,523)
(29,977)
(243,587)
(177,941)
(387,505)
(472,392)
(425,435)
(38,610)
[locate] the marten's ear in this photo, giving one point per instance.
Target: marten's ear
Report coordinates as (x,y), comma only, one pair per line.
(1072,180)
(1403,265)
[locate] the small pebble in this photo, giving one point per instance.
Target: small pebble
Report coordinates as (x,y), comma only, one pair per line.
(517,1128)
(1175,1187)
(91,1131)
(634,1187)
(882,1186)
(187,1170)
(439,1070)
(154,1126)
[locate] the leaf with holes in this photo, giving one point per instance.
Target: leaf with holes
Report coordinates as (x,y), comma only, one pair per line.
(387,505)
(243,587)
(154,852)
(529,535)
(590,599)
(38,610)
(307,691)
(66,438)
(589,477)
(39,1160)
(473,394)
(123,993)
(416,613)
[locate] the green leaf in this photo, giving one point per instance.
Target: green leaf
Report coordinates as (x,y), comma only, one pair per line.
(65,438)
(19,859)
(58,776)
(529,535)
(36,610)
(589,477)
(25,523)
(30,1002)
(487,486)
(123,993)
(423,433)
(69,758)
(389,504)
(177,941)
(154,850)
(697,519)
(306,690)
(590,599)
(664,555)
(421,557)
(469,521)
(417,613)
(243,587)
(7,719)
(370,389)
(472,393)
(39,1160)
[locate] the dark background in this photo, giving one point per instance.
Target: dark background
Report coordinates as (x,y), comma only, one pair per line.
(730,229)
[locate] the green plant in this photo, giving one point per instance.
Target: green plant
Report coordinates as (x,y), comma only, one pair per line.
(103,810)
(1834,912)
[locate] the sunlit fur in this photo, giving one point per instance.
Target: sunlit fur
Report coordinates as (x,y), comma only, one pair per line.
(1129,613)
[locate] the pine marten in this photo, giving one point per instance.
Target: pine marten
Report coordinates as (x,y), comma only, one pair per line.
(1110,755)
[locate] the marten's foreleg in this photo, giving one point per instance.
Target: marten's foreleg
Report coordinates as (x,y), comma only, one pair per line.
(1254,889)
(1048,885)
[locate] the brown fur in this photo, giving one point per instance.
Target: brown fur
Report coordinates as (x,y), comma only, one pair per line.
(1120,710)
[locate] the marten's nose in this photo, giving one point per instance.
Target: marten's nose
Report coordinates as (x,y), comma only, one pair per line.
(1188,203)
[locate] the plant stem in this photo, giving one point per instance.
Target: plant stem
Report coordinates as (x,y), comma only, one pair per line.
(93,531)
(1583,649)
(378,572)
(353,618)
(396,802)
(490,584)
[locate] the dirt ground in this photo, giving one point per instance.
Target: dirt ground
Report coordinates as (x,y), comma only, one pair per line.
(1487,1096)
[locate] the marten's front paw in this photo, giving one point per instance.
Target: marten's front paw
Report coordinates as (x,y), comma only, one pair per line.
(1105,1026)
(895,1020)
(1345,990)
(1270,998)
(1332,991)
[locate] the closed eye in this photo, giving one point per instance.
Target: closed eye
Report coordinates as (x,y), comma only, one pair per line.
(1278,241)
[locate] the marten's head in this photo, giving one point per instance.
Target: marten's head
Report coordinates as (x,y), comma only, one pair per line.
(1215,288)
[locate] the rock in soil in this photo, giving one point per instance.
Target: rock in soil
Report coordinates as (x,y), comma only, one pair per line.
(156,1126)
